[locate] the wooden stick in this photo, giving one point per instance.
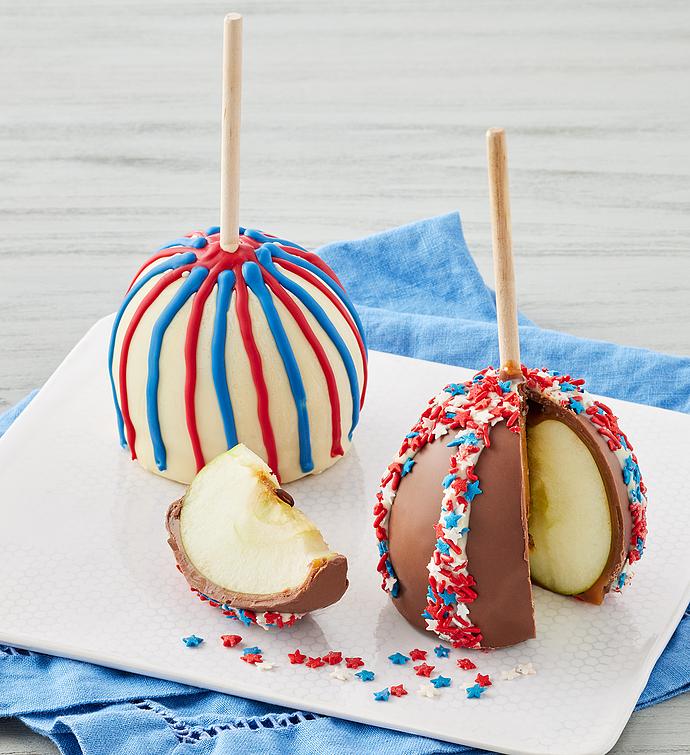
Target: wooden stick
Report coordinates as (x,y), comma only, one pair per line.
(504,273)
(230,144)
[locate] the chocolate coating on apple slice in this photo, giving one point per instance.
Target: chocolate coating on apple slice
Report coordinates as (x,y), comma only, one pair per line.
(325,583)
(540,408)
(496,543)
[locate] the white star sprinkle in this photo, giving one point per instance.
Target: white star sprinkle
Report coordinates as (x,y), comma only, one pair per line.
(389,583)
(440,430)
(522,669)
(340,674)
(525,669)
(427,690)
(264,666)
(388,495)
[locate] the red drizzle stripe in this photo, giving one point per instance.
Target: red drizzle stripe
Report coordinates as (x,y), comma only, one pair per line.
(245,323)
(190,354)
(302,322)
(323,288)
(166,279)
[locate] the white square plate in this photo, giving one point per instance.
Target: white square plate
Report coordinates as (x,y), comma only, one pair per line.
(79,518)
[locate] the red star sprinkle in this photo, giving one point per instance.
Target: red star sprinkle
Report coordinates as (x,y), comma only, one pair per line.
(252,658)
(483,680)
(297,657)
(230,640)
(398,690)
(315,663)
(418,655)
(355,662)
(466,664)
(423,669)
(333,658)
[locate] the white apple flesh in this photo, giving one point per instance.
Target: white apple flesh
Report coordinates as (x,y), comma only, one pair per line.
(236,533)
(569,520)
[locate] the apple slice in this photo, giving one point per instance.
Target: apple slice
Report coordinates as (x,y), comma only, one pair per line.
(569,522)
(239,540)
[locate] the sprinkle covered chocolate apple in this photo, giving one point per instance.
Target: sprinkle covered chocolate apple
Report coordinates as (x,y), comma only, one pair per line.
(465,512)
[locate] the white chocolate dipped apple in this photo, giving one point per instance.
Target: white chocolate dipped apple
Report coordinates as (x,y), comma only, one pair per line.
(241,544)
(260,346)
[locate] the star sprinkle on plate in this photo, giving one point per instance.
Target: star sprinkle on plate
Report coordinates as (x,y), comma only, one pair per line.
(366,676)
(466,664)
(475,692)
(423,669)
(441,681)
(355,662)
(426,690)
(297,657)
(341,675)
(192,641)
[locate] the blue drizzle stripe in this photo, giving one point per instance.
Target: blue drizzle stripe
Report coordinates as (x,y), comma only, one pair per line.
(251,273)
(252,233)
(264,256)
(279,252)
(197,243)
(178,260)
(190,286)
(226,285)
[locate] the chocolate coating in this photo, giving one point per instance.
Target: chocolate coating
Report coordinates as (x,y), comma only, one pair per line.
(324,585)
(540,409)
(496,543)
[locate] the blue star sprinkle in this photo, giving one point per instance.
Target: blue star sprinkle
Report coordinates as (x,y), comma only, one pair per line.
(576,406)
(440,681)
(192,641)
(383,695)
(455,389)
(473,490)
(443,547)
(448,480)
(475,691)
(505,385)
(450,415)
(252,651)
(469,438)
(366,676)
(398,659)
(407,467)
(451,520)
(568,387)
(242,616)
(478,378)
(441,651)
(447,597)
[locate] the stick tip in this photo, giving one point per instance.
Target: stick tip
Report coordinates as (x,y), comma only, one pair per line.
(233,18)
(495,133)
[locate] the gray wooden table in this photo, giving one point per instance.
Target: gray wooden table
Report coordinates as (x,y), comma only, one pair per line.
(357,116)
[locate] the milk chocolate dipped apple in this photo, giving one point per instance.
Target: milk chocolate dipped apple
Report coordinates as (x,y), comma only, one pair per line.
(517,470)
(457,531)
(242,545)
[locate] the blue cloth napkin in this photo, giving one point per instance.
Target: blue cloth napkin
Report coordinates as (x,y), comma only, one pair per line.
(419,293)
